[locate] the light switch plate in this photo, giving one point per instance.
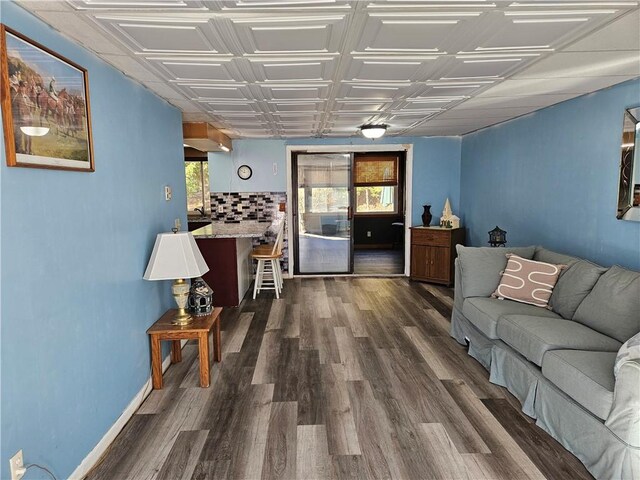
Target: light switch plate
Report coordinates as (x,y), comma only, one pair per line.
(167,193)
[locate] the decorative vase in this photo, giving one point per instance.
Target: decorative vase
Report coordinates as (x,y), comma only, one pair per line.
(426,215)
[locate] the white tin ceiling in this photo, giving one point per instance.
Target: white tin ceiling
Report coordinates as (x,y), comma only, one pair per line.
(292,68)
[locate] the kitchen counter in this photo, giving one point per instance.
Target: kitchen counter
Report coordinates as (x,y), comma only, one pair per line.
(232,230)
(226,247)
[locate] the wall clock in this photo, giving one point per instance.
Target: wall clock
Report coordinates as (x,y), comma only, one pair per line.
(245,172)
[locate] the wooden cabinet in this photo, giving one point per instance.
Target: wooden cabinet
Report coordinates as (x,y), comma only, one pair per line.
(230,268)
(433,250)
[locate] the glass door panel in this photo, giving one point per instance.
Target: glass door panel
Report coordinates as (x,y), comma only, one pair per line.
(322,219)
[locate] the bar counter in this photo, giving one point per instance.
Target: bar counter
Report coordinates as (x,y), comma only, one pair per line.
(226,248)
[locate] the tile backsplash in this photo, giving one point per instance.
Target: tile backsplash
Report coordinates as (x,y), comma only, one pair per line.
(250,207)
(239,206)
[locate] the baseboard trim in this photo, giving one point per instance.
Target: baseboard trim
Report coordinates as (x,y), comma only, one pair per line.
(96,454)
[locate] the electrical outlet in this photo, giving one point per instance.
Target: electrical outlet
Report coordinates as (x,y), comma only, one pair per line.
(275,168)
(220,208)
(239,208)
(16,465)
(369,233)
(178,224)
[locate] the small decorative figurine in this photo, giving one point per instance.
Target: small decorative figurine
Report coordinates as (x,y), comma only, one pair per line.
(497,237)
(200,298)
(448,219)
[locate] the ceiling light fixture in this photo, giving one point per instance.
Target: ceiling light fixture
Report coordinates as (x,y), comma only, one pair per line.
(373,131)
(224,148)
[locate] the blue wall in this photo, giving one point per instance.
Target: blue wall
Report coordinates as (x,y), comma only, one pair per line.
(551,178)
(260,155)
(436,167)
(75,309)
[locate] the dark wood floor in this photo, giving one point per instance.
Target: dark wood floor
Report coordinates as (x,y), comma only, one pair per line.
(378,262)
(348,378)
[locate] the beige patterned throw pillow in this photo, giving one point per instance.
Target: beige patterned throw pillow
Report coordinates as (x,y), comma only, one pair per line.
(527,281)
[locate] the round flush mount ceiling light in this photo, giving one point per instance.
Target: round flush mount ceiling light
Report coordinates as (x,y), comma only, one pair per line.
(373,131)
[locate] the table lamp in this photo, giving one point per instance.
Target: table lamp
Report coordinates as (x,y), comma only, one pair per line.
(175,257)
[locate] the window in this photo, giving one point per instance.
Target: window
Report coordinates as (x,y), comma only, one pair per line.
(197,178)
(376,199)
(376,184)
(323,199)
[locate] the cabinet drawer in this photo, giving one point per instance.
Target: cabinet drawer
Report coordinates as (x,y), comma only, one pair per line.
(438,238)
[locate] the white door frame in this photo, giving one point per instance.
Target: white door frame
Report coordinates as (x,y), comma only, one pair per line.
(408,185)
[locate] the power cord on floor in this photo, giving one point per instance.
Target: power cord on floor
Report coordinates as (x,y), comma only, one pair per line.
(31,465)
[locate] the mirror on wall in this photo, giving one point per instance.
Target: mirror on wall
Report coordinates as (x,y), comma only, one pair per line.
(629,186)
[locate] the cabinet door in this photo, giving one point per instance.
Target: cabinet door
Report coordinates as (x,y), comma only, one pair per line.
(439,263)
(419,261)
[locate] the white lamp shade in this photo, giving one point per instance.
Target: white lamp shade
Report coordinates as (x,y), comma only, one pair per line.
(175,255)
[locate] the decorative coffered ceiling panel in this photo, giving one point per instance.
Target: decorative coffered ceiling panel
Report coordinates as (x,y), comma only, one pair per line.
(382,69)
(288,69)
(290,34)
(292,68)
(182,70)
(407,33)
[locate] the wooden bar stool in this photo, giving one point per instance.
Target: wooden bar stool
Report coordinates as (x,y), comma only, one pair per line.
(268,271)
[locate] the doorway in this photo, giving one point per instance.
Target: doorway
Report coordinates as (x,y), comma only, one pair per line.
(322,213)
(348,212)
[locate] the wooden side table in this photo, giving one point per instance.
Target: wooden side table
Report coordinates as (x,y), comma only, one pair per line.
(199,329)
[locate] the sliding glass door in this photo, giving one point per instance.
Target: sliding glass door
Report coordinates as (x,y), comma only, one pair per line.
(322,213)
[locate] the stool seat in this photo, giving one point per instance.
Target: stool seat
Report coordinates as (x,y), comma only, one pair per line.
(265,251)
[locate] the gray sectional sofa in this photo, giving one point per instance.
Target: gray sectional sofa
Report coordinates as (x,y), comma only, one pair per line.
(559,362)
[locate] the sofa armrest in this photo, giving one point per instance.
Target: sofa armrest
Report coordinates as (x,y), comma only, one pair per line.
(624,418)
(458,297)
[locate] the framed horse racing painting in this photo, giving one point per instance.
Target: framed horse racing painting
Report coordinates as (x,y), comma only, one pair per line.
(45,106)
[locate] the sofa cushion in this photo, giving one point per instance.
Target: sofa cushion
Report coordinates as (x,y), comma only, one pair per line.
(543,255)
(587,377)
(629,351)
(532,336)
(613,306)
(573,286)
(528,281)
(485,312)
(482,267)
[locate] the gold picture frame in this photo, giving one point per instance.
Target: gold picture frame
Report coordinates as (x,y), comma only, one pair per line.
(46,114)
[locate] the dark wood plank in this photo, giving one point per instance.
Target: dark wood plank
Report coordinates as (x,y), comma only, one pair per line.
(352,378)
(287,371)
(310,389)
(550,457)
(125,450)
(281,449)
(434,301)
(183,456)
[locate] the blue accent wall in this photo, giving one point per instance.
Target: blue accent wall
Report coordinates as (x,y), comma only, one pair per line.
(75,308)
(436,167)
(260,155)
(551,178)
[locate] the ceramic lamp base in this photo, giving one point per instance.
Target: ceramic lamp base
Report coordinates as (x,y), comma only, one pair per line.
(180,290)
